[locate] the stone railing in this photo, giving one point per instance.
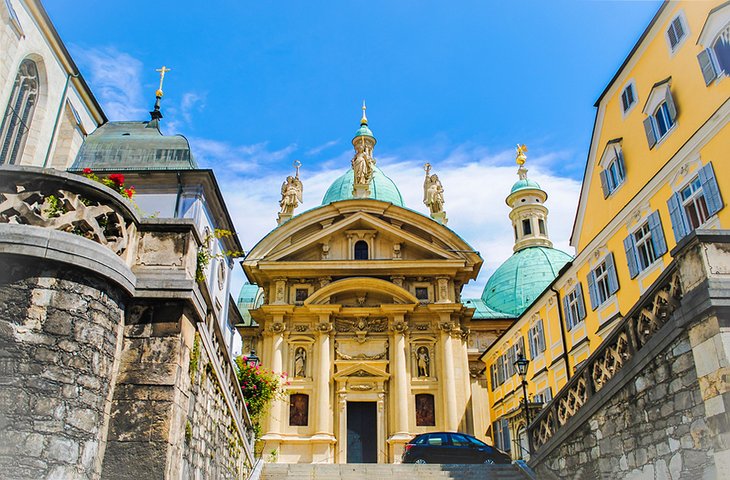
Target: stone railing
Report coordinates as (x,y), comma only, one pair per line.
(66,202)
(633,332)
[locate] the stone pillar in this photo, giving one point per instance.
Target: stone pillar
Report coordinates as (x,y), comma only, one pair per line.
(448,381)
(323,425)
(400,389)
(442,290)
(276,355)
(279,293)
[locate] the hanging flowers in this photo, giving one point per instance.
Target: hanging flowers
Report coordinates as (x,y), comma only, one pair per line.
(115,181)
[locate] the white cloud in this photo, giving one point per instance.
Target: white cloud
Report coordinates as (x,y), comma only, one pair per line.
(116,80)
(320,148)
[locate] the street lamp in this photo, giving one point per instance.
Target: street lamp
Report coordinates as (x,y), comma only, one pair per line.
(522,363)
(252,360)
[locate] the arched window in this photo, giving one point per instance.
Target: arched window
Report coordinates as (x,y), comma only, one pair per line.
(18,113)
(721,49)
(361,250)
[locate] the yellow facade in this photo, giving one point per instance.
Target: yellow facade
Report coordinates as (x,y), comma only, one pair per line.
(608,214)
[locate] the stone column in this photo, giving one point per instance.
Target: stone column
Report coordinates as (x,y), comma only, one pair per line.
(277,364)
(323,425)
(448,381)
(400,388)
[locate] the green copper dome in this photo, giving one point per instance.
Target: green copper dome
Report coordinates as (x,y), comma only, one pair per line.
(251,296)
(523,184)
(519,280)
(364,131)
(381,188)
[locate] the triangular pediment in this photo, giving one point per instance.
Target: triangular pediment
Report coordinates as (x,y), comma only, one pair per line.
(388,241)
(360,370)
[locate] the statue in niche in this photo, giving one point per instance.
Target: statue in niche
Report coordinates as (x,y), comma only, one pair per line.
(423,362)
(300,363)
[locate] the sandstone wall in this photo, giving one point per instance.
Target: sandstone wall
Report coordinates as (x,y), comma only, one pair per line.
(59,337)
(654,427)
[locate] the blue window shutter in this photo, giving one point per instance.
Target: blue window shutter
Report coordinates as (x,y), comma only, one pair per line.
(671,106)
(581,302)
(630,247)
(541,336)
(676,214)
(569,322)
(604,184)
(612,277)
(620,162)
(657,234)
(710,189)
(649,130)
(709,72)
(592,293)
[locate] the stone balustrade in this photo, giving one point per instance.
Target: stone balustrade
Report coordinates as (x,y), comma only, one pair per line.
(632,333)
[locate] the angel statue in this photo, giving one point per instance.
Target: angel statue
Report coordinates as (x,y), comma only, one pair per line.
(362,164)
(433,191)
(291,192)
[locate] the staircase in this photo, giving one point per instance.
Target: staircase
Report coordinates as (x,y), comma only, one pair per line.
(372,471)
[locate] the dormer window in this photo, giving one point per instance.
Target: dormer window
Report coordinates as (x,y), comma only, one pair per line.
(661,113)
(715,39)
(613,169)
(676,32)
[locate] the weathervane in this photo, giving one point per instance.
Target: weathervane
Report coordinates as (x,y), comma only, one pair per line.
(162,71)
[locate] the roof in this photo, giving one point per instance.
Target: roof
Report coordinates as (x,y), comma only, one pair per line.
(519,280)
(482,311)
(381,188)
(250,296)
(364,131)
(525,184)
(120,146)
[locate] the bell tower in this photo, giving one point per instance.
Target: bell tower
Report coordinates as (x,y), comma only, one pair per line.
(529,214)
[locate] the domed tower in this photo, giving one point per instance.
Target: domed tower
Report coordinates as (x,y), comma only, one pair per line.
(364,179)
(529,214)
(535,263)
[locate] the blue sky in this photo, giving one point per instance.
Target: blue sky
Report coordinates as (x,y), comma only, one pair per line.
(256,85)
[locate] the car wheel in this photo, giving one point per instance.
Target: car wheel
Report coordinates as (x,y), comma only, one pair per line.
(419,461)
(489,461)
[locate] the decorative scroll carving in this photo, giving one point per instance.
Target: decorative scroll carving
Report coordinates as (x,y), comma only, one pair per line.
(324,327)
(362,387)
(69,212)
(361,324)
(301,328)
(360,356)
(277,327)
(399,327)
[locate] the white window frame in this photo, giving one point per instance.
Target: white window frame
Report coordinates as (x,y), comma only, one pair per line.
(630,85)
(610,160)
(717,23)
(536,339)
(685,30)
(574,317)
(696,194)
(664,109)
(600,276)
(644,244)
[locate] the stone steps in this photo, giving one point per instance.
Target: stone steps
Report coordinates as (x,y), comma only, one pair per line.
(355,471)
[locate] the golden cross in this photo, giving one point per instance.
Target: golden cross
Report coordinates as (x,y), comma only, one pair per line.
(162,71)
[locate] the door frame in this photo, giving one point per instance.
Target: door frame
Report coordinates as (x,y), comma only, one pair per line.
(341,435)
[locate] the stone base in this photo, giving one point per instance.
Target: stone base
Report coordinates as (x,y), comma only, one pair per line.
(396,445)
(440,217)
(283,218)
(361,190)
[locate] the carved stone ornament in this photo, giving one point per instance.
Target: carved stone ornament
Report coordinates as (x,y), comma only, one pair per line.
(300,328)
(362,387)
(421,327)
(447,326)
(361,373)
(398,281)
(361,324)
(465,333)
(324,327)
(360,356)
(277,327)
(399,327)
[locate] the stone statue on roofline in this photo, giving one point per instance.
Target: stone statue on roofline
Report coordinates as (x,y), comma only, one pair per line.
(433,195)
(363,164)
(291,195)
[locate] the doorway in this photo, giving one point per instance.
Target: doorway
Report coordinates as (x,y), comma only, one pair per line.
(362,432)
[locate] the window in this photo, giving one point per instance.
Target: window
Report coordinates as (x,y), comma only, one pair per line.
(645,245)
(602,282)
(361,250)
(695,203)
(526,227)
(301,294)
(544,396)
(459,440)
(661,112)
(541,226)
(438,439)
(628,98)
(19,113)
(501,435)
(613,171)
(575,309)
(676,32)
(536,338)
(422,293)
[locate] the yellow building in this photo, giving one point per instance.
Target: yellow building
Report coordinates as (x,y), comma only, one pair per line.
(657,169)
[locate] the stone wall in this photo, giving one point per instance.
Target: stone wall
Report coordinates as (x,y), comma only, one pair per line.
(654,427)
(59,337)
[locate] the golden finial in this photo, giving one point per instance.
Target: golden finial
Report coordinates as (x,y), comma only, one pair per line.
(521,157)
(364,119)
(162,71)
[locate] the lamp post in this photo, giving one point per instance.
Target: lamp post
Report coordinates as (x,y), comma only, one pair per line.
(522,363)
(252,360)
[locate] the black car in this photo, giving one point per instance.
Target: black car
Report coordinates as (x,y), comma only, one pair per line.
(447,447)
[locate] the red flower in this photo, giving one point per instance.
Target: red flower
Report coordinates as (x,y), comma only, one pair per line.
(129,192)
(87,171)
(117,178)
